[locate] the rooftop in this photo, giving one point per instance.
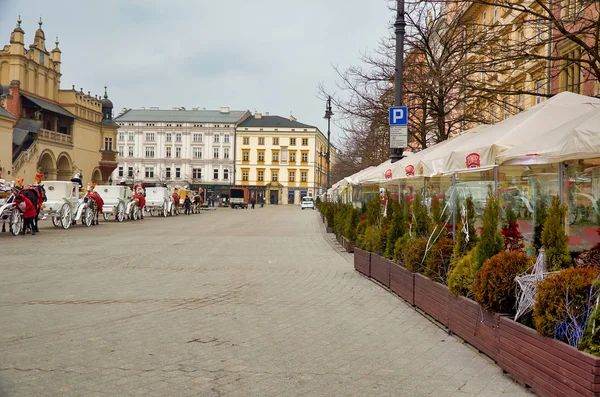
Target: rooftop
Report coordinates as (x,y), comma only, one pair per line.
(224,115)
(259,120)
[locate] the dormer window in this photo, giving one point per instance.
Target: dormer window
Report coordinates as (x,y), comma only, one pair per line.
(41,58)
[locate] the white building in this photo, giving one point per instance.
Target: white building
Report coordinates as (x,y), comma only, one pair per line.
(177,147)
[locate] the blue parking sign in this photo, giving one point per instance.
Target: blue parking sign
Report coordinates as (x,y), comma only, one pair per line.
(399,115)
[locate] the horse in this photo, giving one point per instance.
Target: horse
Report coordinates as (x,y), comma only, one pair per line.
(95,203)
(37,195)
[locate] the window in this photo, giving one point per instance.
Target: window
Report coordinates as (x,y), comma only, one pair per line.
(505,108)
(226,174)
(539,89)
(150,137)
(292,176)
(120,171)
(197,137)
(226,138)
(216,173)
(261,140)
(246,140)
(130,151)
(245,175)
(292,141)
(292,157)
(304,157)
(522,40)
(245,156)
(149,172)
(275,157)
(483,18)
(539,31)
(261,176)
(495,14)
(520,102)
(168,172)
(492,114)
(303,176)
(274,175)
(197,173)
(130,172)
(226,153)
(304,141)
(217,138)
(121,151)
(216,153)
(149,152)
(178,152)
(197,152)
(121,136)
(571,74)
(169,137)
(108,144)
(131,136)
(275,141)
(177,172)
(168,152)
(261,157)
(178,137)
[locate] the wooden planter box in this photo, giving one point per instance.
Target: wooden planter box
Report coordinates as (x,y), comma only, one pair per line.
(433,298)
(362,261)
(550,367)
(339,239)
(474,325)
(348,244)
(380,269)
(402,283)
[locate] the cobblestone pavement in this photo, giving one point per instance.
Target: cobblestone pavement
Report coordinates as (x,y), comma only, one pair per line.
(226,303)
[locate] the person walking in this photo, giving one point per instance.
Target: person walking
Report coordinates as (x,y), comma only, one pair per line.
(253,201)
(187,203)
(29,212)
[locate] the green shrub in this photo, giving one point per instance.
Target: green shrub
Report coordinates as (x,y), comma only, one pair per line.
(541,213)
(495,282)
(438,260)
(373,211)
(421,223)
(397,229)
(554,238)
(462,246)
(361,229)
(460,276)
(318,201)
(415,255)
(372,240)
(562,298)
(352,220)
(590,343)
(491,242)
(400,247)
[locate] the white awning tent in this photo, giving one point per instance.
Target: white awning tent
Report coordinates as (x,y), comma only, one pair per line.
(482,149)
(579,139)
(376,174)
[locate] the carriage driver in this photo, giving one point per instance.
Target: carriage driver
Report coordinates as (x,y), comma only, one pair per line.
(77,179)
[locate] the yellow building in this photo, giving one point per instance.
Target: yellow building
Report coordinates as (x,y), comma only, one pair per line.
(279,159)
(55,132)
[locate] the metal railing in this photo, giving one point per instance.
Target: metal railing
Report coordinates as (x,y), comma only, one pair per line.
(24,157)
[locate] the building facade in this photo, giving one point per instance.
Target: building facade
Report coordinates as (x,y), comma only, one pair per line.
(279,159)
(56,132)
(178,147)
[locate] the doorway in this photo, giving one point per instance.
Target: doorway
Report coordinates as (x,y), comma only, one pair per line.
(274,197)
(291,197)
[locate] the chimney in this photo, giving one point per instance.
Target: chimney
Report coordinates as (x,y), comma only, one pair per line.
(224,110)
(258,115)
(292,118)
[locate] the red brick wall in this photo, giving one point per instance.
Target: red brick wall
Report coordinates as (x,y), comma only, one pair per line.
(13,101)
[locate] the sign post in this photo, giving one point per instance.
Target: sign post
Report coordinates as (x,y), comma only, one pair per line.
(398,127)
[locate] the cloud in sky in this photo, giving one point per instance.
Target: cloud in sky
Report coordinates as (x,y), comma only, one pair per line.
(265,56)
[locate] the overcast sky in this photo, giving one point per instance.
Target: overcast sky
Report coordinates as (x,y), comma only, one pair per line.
(265,56)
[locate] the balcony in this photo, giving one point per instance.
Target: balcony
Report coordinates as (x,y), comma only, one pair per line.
(56,137)
(108,156)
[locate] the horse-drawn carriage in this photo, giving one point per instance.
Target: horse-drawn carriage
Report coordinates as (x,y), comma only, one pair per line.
(9,213)
(159,201)
(119,203)
(64,206)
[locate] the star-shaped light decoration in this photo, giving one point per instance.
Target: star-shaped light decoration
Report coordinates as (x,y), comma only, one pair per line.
(527,284)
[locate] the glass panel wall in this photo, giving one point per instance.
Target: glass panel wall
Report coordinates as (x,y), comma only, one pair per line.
(582,195)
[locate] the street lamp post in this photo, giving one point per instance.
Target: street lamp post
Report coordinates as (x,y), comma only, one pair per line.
(400,24)
(328,114)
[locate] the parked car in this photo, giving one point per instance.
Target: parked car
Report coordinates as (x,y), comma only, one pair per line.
(307,202)
(239,197)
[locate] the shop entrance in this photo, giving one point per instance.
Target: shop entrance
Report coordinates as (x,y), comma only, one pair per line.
(274,197)
(291,197)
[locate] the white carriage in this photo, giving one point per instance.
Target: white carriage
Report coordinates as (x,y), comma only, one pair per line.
(10,214)
(159,201)
(118,202)
(63,204)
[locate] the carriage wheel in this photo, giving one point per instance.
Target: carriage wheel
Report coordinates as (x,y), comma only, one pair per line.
(152,212)
(134,213)
(105,215)
(165,210)
(88,217)
(16,223)
(66,216)
(56,221)
(120,214)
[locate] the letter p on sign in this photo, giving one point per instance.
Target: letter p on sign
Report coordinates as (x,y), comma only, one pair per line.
(399,115)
